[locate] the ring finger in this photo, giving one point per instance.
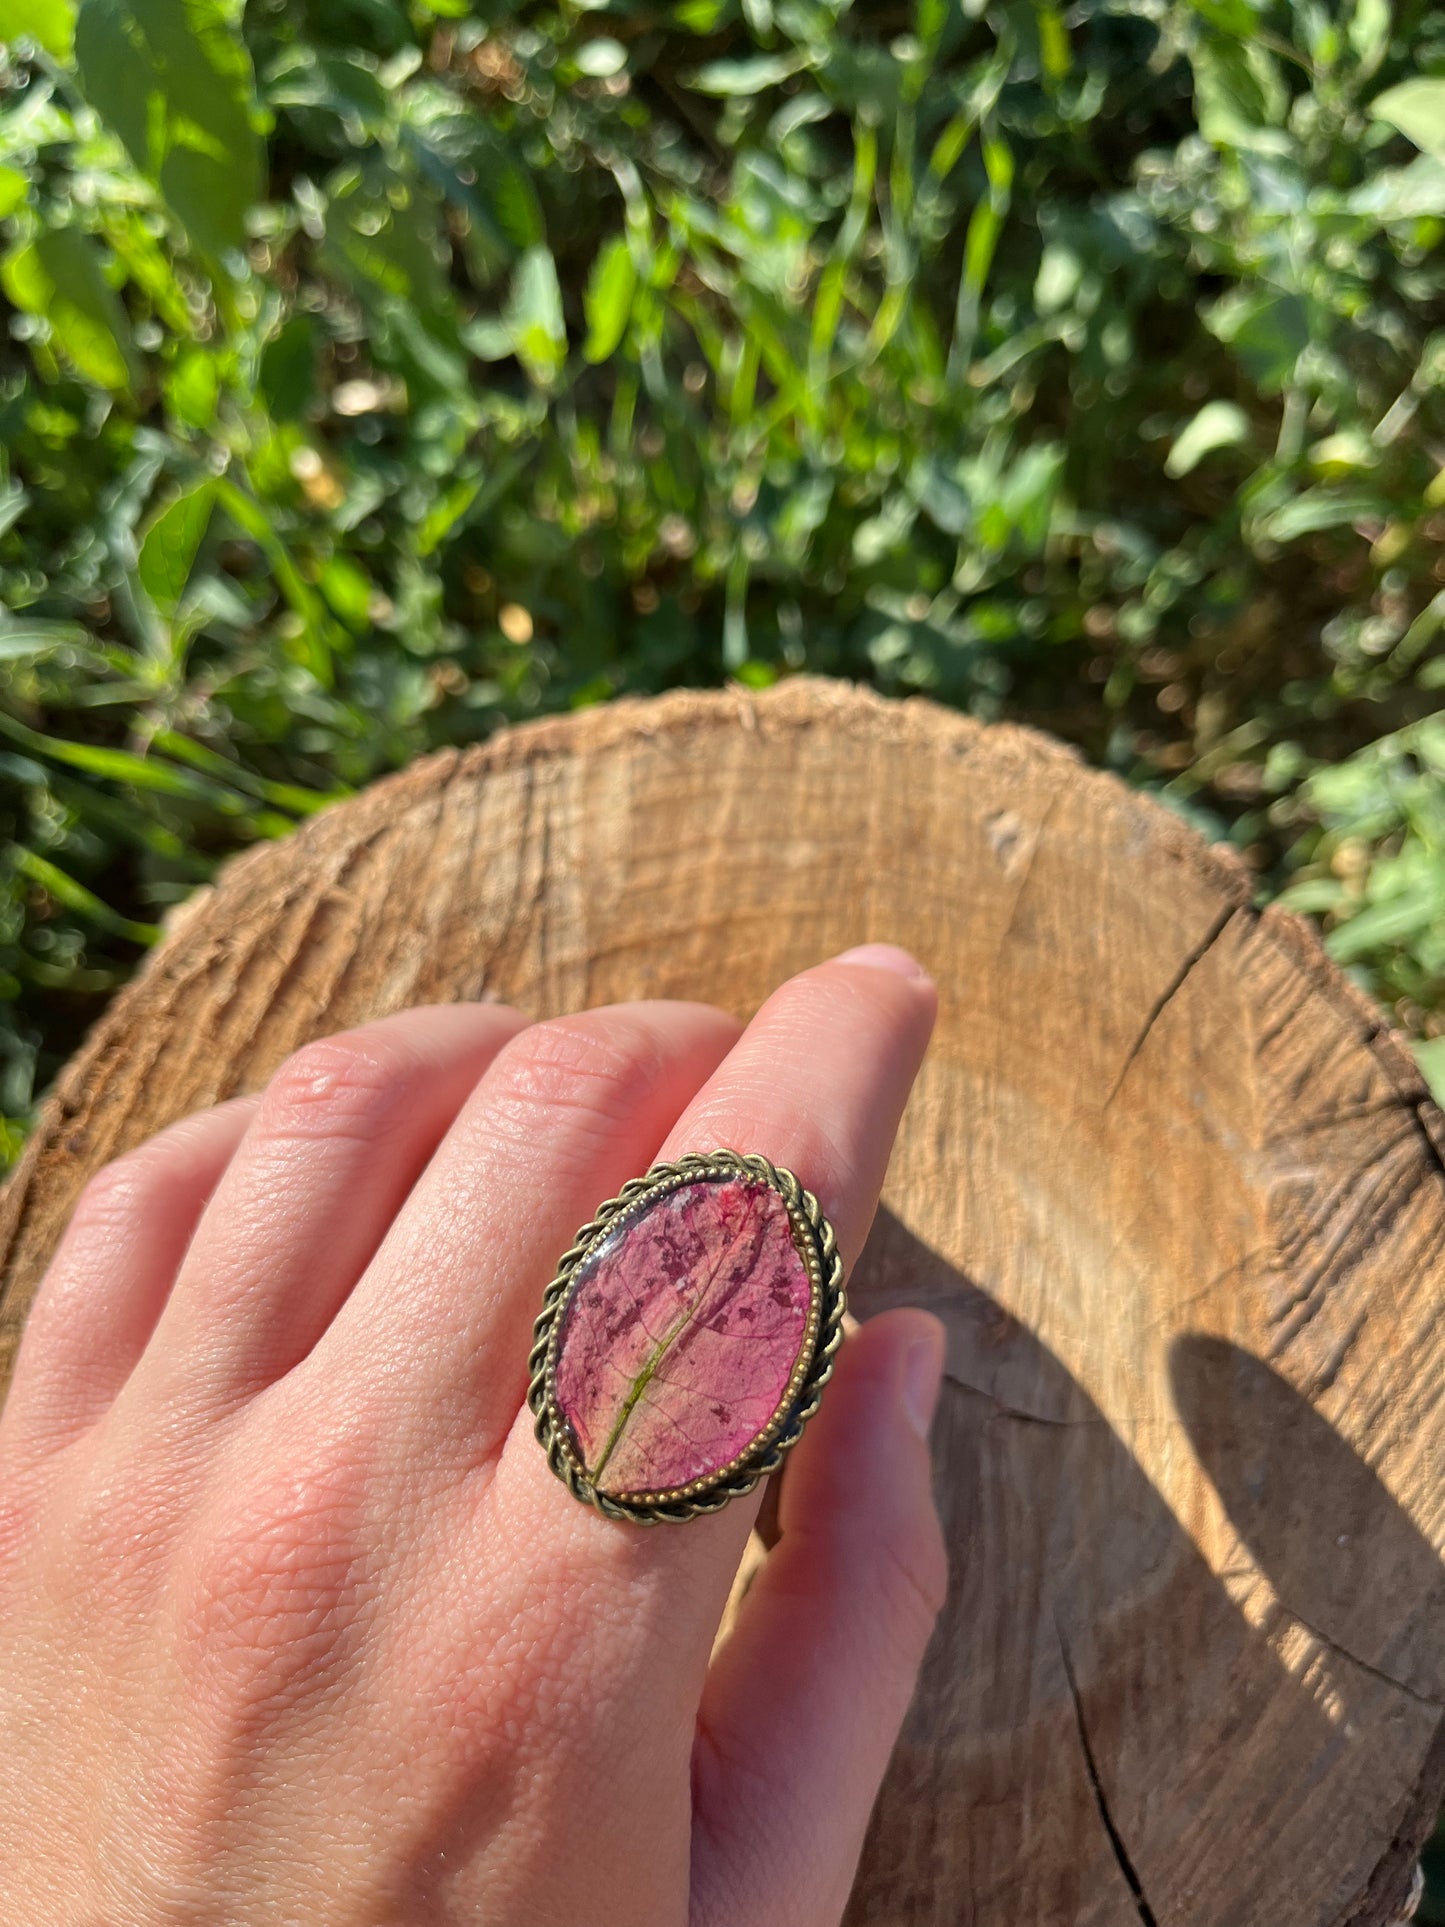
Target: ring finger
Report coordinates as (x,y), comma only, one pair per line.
(336,1142)
(442,1320)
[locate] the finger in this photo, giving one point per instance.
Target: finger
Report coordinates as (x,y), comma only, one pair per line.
(568,1110)
(114,1268)
(817,1083)
(819,1080)
(339,1137)
(805,1698)
(611,1624)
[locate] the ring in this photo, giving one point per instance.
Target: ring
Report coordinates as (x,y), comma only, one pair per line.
(687,1337)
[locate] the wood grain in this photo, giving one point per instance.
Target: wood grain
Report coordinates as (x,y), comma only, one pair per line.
(1177,1192)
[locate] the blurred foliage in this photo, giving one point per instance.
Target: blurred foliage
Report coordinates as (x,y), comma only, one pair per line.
(381,371)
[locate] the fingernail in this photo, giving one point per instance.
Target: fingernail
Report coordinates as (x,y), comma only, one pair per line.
(884,956)
(922,1376)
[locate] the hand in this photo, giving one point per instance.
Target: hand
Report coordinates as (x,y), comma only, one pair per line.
(296,1625)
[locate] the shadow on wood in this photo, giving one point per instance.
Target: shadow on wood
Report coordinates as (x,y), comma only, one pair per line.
(1177,1192)
(1100,1684)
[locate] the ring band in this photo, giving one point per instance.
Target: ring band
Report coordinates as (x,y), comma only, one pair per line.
(687,1337)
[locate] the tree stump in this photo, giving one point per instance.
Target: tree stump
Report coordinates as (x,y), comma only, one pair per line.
(1175,1189)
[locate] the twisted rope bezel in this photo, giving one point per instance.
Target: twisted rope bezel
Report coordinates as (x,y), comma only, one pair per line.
(818,1245)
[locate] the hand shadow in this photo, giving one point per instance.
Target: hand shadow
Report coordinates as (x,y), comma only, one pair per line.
(1102,1732)
(1342,1559)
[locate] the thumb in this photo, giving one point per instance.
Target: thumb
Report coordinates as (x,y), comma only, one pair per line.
(805,1697)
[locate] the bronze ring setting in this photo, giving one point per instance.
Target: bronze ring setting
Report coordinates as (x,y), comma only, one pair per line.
(687,1337)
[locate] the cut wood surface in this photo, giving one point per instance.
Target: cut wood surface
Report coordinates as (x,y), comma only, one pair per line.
(1176,1190)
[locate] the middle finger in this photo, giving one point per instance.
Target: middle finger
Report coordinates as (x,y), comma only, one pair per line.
(440,1326)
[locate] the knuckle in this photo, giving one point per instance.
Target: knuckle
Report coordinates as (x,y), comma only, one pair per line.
(345,1085)
(911,1569)
(113,1523)
(22,1516)
(127,1184)
(570,1064)
(275,1587)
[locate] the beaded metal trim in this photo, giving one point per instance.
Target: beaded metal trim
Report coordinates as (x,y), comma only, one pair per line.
(817,1246)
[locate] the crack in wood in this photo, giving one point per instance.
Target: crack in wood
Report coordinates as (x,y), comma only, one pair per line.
(1040,827)
(1224,917)
(1261,1256)
(1010,1414)
(1003,1410)
(1375,1672)
(1381,1039)
(1116,1841)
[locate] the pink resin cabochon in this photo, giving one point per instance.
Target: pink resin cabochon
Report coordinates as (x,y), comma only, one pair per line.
(681,1335)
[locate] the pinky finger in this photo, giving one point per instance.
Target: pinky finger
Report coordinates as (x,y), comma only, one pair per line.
(112,1272)
(806,1695)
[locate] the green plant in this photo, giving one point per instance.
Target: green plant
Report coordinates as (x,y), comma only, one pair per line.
(1375,868)
(384,370)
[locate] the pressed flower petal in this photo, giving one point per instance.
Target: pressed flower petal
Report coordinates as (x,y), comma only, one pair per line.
(682,1335)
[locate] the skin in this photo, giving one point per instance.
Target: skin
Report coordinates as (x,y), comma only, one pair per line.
(295,1623)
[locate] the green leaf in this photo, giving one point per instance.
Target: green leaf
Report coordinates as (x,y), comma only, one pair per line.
(13,501)
(118,765)
(1219,424)
(58,275)
(1417,109)
(1396,920)
(349,591)
(14,186)
(515,204)
(601,58)
(984,227)
(731,79)
(173,79)
(942,497)
(445,513)
(1236,17)
(1030,485)
(169,546)
(1369,32)
(1268,332)
(383,234)
(84,902)
(284,796)
(1239,97)
(1054,51)
(608,301)
(1430,1056)
(1318,509)
(487,338)
(534,316)
(50,22)
(1402,193)
(23,636)
(319,637)
(151,266)
(288,369)
(192,387)
(1057,281)
(346,86)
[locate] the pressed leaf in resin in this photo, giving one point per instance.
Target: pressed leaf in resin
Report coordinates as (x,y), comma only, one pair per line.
(681,1336)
